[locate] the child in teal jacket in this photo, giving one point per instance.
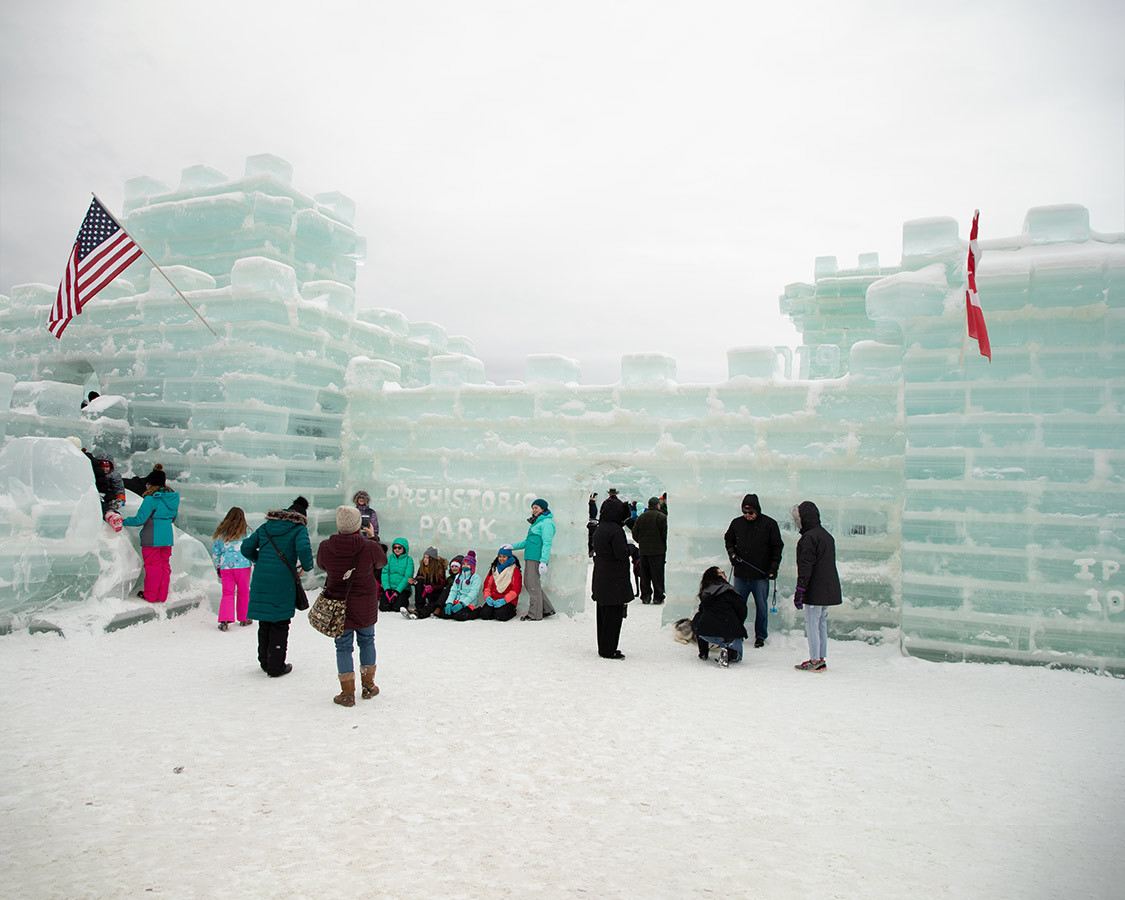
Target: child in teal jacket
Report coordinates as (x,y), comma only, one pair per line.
(157,512)
(396,577)
(464,595)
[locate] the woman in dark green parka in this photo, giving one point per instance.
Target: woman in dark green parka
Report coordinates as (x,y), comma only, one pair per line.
(273,590)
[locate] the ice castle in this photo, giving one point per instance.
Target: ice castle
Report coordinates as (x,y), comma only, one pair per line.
(979,509)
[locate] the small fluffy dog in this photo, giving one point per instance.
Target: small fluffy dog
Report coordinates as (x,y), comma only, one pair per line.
(683,632)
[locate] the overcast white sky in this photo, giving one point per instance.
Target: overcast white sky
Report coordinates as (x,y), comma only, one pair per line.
(586,178)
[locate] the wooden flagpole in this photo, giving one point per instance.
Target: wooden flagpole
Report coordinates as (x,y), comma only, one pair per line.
(155,265)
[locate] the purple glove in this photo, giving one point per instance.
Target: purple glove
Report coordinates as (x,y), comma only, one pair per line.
(799,597)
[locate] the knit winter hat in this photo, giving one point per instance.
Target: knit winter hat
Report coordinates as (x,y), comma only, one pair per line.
(506,550)
(541,503)
(431,552)
(157,476)
(300,505)
(347,519)
(470,561)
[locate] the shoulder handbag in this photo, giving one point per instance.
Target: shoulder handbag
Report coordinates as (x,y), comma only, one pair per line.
(329,613)
(301,599)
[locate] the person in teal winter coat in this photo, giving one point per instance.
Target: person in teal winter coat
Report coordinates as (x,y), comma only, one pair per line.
(536,549)
(276,548)
(157,512)
(396,577)
(463,602)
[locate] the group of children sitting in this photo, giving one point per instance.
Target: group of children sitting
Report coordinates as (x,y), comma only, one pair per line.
(453,590)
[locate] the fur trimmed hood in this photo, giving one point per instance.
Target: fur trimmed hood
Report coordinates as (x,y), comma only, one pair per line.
(287,515)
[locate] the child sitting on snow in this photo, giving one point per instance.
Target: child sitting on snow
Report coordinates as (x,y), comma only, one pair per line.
(464,593)
(396,577)
(502,586)
(450,577)
(428,586)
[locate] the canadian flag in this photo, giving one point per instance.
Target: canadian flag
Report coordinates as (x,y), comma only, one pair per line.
(977,329)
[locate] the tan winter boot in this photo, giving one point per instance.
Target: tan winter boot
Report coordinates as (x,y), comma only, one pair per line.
(370,688)
(346,697)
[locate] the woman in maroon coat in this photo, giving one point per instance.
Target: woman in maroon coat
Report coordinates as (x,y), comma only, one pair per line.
(350,561)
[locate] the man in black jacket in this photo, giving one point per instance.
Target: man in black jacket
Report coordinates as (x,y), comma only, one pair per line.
(754,546)
(650,531)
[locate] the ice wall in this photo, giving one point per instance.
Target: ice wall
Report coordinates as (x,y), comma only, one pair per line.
(457,465)
(1013,530)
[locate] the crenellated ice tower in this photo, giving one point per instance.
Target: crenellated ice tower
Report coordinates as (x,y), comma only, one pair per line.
(978,508)
(251,418)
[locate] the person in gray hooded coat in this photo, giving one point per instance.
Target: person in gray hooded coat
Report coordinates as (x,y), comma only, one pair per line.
(818,582)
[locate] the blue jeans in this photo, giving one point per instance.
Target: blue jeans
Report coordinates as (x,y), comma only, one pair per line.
(760,588)
(365,637)
(816,630)
(735,645)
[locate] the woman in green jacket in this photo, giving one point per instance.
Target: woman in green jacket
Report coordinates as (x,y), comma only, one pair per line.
(277,547)
(536,549)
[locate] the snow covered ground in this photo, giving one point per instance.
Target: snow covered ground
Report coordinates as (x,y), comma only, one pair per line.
(508,760)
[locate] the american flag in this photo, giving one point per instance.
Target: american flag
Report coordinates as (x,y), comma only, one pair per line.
(101,252)
(977,329)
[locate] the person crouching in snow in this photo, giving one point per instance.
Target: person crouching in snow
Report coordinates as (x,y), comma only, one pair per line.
(502,586)
(157,512)
(428,586)
(721,619)
(818,582)
(349,560)
(396,577)
(464,594)
(233,567)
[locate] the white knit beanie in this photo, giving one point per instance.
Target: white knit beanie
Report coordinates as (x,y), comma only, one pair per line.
(347,519)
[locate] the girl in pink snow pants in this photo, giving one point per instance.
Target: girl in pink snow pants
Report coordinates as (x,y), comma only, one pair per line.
(233,568)
(157,512)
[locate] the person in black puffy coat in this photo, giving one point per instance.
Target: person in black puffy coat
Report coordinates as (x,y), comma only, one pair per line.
(721,619)
(818,582)
(611,587)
